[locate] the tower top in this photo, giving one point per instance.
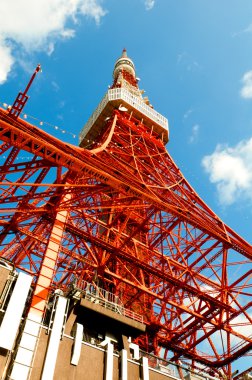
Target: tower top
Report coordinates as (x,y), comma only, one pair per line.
(124,94)
(124,63)
(124,75)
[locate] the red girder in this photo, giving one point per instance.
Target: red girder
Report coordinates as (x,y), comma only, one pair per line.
(135,222)
(82,161)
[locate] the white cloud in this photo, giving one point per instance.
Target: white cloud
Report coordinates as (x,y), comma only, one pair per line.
(149,4)
(188,62)
(93,9)
(55,86)
(187,113)
(246,30)
(246,91)
(194,135)
(242,325)
(27,26)
(50,48)
(6,61)
(231,170)
(68,33)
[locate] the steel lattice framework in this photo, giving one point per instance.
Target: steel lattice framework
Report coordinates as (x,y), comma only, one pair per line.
(121,214)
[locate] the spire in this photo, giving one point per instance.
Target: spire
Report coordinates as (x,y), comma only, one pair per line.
(124,76)
(124,64)
(124,53)
(124,95)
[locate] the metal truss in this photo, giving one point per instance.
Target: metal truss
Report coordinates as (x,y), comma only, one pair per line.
(122,215)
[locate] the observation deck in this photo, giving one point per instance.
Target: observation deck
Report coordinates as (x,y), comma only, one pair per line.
(117,98)
(105,308)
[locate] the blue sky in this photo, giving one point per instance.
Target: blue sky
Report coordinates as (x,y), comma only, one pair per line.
(194,59)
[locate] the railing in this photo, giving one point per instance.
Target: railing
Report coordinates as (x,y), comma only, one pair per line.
(105,299)
(175,370)
(161,365)
(132,100)
(7,289)
(96,291)
(139,104)
(93,117)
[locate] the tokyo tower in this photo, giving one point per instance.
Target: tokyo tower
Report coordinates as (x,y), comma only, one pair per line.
(116,213)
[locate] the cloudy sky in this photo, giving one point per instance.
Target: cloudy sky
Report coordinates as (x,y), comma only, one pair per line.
(194,59)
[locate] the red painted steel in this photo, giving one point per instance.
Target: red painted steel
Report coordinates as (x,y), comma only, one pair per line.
(22,97)
(136,228)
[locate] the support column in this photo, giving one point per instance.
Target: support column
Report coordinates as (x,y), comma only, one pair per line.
(48,265)
(124,365)
(54,340)
(33,321)
(145,369)
(109,364)
(13,314)
(135,348)
(77,344)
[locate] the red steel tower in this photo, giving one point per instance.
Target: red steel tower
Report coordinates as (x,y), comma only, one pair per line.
(118,213)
